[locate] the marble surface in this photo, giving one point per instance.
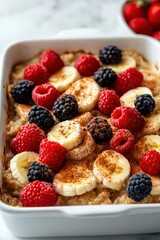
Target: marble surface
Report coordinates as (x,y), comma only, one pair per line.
(21,19)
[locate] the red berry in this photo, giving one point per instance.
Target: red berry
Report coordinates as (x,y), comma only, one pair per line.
(36,73)
(154,14)
(133,10)
(156,35)
(122,141)
(27,139)
(52,154)
(87,65)
(38,194)
(128,118)
(150,162)
(51,60)
(108,101)
(45,95)
(129,79)
(141,26)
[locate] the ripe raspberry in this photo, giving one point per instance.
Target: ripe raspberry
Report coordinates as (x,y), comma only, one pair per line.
(108,101)
(128,118)
(150,162)
(122,141)
(141,25)
(38,194)
(87,65)
(36,73)
(156,35)
(52,154)
(27,139)
(45,95)
(129,79)
(51,60)
(133,10)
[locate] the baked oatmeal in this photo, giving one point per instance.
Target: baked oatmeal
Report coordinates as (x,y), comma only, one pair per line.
(83,129)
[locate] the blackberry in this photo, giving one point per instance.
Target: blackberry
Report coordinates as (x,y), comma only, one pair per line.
(65,107)
(22,91)
(105,76)
(39,171)
(41,117)
(139,186)
(100,129)
(145,104)
(110,55)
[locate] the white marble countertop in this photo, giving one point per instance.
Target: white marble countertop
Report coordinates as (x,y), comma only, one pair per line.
(21,19)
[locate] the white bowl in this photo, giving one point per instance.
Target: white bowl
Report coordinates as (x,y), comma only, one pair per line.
(75,220)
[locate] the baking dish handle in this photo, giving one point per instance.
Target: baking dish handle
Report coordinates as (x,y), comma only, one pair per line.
(80,33)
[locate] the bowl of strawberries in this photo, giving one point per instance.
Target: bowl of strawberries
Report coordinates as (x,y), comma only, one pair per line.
(141,17)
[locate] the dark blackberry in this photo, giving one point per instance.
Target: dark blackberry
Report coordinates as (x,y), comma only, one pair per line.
(105,76)
(145,104)
(139,186)
(22,91)
(100,129)
(65,107)
(41,117)
(110,55)
(39,171)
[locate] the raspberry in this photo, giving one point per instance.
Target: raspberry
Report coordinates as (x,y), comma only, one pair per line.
(129,79)
(65,107)
(22,91)
(27,139)
(41,117)
(108,101)
(87,65)
(51,60)
(145,104)
(110,54)
(38,194)
(100,129)
(45,95)
(122,141)
(52,154)
(139,186)
(150,162)
(39,171)
(36,73)
(105,76)
(127,117)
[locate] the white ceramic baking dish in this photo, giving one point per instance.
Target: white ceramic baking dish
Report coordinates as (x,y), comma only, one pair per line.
(75,220)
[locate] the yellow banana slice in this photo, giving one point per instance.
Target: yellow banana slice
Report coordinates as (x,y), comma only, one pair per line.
(129,97)
(64,78)
(111,169)
(74,179)
(126,63)
(68,133)
(86,92)
(85,148)
(19,165)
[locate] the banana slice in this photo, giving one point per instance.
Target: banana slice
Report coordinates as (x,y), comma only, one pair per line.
(155,185)
(64,78)
(74,179)
(68,133)
(85,148)
(129,97)
(111,169)
(146,143)
(86,92)
(126,62)
(19,165)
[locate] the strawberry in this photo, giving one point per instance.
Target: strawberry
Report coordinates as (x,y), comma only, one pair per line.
(52,154)
(156,35)
(38,194)
(133,10)
(141,25)
(27,139)
(154,14)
